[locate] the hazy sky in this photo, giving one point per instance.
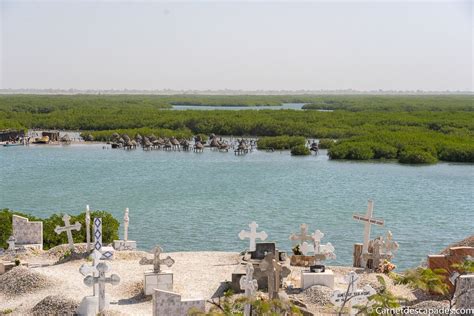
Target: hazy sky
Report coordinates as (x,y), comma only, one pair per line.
(236,45)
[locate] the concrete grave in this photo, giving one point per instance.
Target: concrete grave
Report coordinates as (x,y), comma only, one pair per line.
(27,234)
(168,303)
(125,244)
(157,279)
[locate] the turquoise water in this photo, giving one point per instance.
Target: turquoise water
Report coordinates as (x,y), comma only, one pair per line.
(188,201)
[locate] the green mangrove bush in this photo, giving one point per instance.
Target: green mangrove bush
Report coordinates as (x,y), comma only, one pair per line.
(300,150)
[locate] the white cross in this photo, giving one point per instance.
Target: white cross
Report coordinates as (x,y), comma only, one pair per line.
(11,243)
(306,248)
(302,236)
(68,229)
(390,245)
(87,269)
(88,228)
(369,220)
(250,286)
(253,235)
(126,220)
(101,280)
(156,261)
(327,250)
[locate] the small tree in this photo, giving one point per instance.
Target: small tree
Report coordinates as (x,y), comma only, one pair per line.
(425,279)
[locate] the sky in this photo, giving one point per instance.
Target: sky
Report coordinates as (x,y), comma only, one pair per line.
(311,45)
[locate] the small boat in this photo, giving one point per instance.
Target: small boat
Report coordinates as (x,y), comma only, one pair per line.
(42,140)
(11,145)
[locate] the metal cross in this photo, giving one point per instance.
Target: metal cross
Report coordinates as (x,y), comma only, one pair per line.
(250,286)
(68,229)
(253,235)
(156,261)
(101,280)
(369,220)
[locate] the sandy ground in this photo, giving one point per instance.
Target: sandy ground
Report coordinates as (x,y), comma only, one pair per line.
(196,275)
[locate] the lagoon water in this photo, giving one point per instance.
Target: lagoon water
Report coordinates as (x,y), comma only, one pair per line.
(186,201)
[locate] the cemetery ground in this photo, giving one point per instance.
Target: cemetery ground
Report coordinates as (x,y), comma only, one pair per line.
(196,275)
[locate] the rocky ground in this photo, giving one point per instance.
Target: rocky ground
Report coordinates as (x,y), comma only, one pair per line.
(49,287)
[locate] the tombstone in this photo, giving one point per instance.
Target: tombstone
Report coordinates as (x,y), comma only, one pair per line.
(101,280)
(90,304)
(11,244)
(88,228)
(68,228)
(368,222)
(454,256)
(107,252)
(170,303)
(125,244)
(249,285)
(354,295)
(27,234)
(156,278)
(273,271)
(262,249)
(252,235)
(465,292)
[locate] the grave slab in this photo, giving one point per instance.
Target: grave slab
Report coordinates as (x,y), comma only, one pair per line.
(158,280)
(26,233)
(170,303)
(309,279)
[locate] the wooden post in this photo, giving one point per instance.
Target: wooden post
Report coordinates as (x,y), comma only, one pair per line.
(357,255)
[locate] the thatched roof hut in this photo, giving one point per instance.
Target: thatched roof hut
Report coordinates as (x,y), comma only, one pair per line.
(53,135)
(10,135)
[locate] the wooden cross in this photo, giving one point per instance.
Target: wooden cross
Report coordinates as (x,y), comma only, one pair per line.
(126,220)
(68,229)
(88,228)
(273,270)
(303,236)
(368,220)
(156,261)
(86,269)
(101,280)
(253,235)
(250,286)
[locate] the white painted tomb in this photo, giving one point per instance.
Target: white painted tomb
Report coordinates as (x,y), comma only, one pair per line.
(156,278)
(309,279)
(125,244)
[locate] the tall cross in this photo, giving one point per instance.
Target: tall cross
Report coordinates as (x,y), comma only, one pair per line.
(253,235)
(126,220)
(11,243)
(303,236)
(273,270)
(86,269)
(156,261)
(368,220)
(250,286)
(101,280)
(88,228)
(68,229)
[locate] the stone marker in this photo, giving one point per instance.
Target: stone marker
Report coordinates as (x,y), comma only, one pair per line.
(465,292)
(368,221)
(11,244)
(354,295)
(68,228)
(88,228)
(253,235)
(107,252)
(27,234)
(168,303)
(250,286)
(125,244)
(101,280)
(273,271)
(157,279)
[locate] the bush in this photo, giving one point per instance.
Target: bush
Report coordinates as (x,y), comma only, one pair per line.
(326,143)
(300,150)
(415,155)
(459,154)
(110,227)
(281,142)
(383,151)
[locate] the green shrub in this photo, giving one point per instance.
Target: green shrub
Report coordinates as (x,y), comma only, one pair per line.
(383,151)
(280,142)
(425,279)
(110,227)
(415,155)
(300,150)
(459,153)
(326,143)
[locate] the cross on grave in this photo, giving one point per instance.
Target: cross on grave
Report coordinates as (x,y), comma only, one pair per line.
(353,295)
(302,236)
(126,220)
(11,243)
(253,235)
(87,269)
(88,228)
(368,221)
(250,286)
(390,245)
(273,270)
(156,261)
(317,236)
(68,228)
(101,280)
